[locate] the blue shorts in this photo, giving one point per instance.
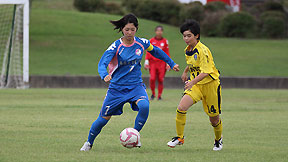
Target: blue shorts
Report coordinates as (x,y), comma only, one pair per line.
(117,96)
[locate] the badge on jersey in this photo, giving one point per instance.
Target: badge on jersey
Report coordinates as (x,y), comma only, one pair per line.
(195,56)
(138,52)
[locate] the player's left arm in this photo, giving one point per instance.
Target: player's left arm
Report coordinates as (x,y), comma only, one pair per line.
(166,50)
(158,53)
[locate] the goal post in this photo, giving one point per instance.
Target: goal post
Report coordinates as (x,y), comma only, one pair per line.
(14,43)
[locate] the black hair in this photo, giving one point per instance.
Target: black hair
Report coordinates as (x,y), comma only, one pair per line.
(191,25)
(129,18)
(159,26)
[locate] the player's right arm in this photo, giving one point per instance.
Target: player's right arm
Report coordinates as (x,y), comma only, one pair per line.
(147,58)
(184,75)
(104,62)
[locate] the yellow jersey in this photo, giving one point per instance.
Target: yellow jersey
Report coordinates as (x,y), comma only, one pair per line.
(200,60)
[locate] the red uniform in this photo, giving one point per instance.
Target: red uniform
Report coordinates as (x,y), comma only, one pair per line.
(157,68)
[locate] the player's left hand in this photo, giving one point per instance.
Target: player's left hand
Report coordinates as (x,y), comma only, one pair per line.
(188,85)
(176,67)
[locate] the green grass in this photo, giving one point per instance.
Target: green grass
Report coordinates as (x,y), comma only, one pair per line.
(52,124)
(70,42)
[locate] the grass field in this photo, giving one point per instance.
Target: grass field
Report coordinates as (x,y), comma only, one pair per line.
(52,124)
(67,42)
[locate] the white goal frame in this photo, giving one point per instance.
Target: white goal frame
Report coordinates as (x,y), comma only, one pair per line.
(25,36)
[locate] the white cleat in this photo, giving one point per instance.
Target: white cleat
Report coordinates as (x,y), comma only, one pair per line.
(86,147)
(175,141)
(218,145)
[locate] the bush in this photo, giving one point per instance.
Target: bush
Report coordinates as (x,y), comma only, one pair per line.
(278,14)
(215,6)
(210,24)
(162,11)
(130,5)
(89,5)
(113,8)
(273,6)
(214,12)
(273,27)
(194,10)
(239,24)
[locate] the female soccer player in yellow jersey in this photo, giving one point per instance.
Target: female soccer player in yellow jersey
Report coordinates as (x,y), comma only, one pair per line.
(204,84)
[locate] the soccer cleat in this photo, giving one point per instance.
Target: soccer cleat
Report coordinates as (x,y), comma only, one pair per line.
(86,147)
(152,97)
(138,144)
(218,145)
(159,98)
(175,141)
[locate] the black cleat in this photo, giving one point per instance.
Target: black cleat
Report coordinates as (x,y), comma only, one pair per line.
(152,97)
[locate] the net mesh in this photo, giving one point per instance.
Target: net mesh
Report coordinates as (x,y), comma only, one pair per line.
(11,46)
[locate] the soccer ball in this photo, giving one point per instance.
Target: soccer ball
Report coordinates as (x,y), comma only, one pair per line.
(129,137)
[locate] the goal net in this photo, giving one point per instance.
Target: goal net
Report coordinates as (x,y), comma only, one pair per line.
(14,43)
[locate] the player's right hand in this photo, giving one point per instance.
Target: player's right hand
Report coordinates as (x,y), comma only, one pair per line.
(184,77)
(107,78)
(146,66)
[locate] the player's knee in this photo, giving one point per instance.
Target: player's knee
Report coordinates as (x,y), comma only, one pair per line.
(143,106)
(160,80)
(106,117)
(182,107)
(214,120)
(152,79)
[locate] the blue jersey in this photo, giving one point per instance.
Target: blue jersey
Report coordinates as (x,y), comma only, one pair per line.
(124,62)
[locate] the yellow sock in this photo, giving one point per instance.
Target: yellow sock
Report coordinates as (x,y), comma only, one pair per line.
(180,122)
(218,130)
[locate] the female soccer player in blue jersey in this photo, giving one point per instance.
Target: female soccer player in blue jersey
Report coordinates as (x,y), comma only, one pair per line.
(123,60)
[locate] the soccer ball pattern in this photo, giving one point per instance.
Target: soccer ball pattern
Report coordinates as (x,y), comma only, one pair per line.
(129,137)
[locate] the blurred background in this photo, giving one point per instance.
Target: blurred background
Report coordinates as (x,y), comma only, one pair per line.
(68,37)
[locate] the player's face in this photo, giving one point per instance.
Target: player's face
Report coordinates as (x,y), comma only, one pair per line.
(159,32)
(129,31)
(190,38)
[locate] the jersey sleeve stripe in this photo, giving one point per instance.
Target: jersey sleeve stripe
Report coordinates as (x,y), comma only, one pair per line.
(211,76)
(119,48)
(113,65)
(140,45)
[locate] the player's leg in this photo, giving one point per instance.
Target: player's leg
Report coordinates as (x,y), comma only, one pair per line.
(181,112)
(142,115)
(161,75)
(216,122)
(96,127)
(139,102)
(152,80)
(112,105)
(191,96)
(212,106)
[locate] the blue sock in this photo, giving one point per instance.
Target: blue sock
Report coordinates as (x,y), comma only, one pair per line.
(142,116)
(96,128)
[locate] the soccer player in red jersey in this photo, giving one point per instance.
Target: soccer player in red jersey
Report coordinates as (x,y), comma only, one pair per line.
(157,67)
